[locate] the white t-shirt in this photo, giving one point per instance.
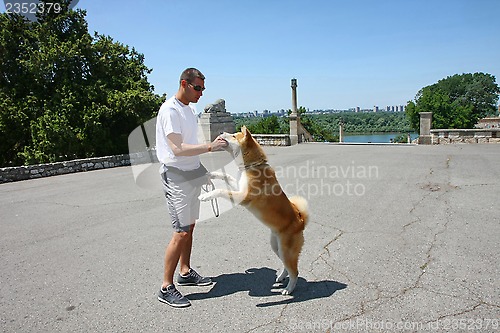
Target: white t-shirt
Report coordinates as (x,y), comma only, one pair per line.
(175,117)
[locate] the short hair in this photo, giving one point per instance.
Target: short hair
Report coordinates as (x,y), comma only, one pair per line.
(190,74)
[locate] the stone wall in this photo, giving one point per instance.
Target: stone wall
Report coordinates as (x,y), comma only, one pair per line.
(11,174)
(449,136)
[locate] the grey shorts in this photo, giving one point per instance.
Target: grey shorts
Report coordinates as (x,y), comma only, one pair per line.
(182,190)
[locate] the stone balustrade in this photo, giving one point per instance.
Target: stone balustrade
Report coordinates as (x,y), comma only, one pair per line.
(272,139)
(477,135)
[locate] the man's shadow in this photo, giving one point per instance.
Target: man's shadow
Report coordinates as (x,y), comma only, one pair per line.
(260,282)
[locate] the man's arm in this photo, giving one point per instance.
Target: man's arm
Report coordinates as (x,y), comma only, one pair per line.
(180,148)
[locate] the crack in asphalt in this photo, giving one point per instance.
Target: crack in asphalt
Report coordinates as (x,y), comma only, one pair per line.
(369,305)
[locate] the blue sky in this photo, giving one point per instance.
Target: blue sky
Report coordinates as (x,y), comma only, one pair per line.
(343,53)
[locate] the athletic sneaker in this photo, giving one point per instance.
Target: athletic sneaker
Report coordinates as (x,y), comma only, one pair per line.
(173,297)
(193,279)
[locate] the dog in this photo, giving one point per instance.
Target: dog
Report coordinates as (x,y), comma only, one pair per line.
(258,190)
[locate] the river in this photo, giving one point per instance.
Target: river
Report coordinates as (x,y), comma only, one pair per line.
(374,138)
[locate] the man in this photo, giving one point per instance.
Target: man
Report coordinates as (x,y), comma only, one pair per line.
(182,175)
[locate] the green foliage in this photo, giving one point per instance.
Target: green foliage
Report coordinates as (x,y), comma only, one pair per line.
(401,138)
(267,125)
(374,122)
(66,94)
(361,123)
(319,132)
(456,102)
(325,127)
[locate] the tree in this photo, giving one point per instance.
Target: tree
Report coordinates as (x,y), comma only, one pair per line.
(267,125)
(457,101)
(319,133)
(67,94)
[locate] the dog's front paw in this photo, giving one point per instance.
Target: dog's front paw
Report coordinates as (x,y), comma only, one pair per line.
(205,196)
(285,292)
(212,175)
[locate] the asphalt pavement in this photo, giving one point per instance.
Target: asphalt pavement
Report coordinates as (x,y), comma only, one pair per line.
(402,238)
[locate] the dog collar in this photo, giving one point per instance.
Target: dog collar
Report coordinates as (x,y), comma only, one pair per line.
(253,165)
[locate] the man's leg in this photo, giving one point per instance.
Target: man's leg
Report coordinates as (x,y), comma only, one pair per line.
(188,276)
(173,252)
(185,256)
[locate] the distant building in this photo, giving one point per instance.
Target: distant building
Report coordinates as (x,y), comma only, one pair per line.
(375,108)
(392,108)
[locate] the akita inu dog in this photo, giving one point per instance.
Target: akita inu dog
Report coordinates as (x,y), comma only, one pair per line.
(259,191)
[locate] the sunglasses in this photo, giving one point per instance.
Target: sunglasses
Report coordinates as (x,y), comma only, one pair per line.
(197,88)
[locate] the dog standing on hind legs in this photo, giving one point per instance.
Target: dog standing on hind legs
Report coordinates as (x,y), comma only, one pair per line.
(259,191)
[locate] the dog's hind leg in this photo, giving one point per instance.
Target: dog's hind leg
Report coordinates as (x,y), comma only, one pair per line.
(290,250)
(291,262)
(274,243)
(276,248)
(282,275)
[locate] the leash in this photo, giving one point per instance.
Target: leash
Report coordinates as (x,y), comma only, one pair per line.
(214,203)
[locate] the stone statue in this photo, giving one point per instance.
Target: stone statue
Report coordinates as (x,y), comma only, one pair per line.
(218,106)
(216,120)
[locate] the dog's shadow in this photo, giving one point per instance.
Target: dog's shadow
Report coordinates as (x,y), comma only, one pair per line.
(259,282)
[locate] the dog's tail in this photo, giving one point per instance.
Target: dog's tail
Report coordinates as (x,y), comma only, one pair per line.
(301,204)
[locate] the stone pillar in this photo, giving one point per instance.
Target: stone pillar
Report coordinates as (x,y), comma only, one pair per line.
(341,131)
(215,120)
(425,137)
(294,117)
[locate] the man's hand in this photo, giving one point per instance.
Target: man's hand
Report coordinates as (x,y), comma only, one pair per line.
(218,143)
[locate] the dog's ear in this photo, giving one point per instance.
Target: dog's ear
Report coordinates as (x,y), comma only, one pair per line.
(245,131)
